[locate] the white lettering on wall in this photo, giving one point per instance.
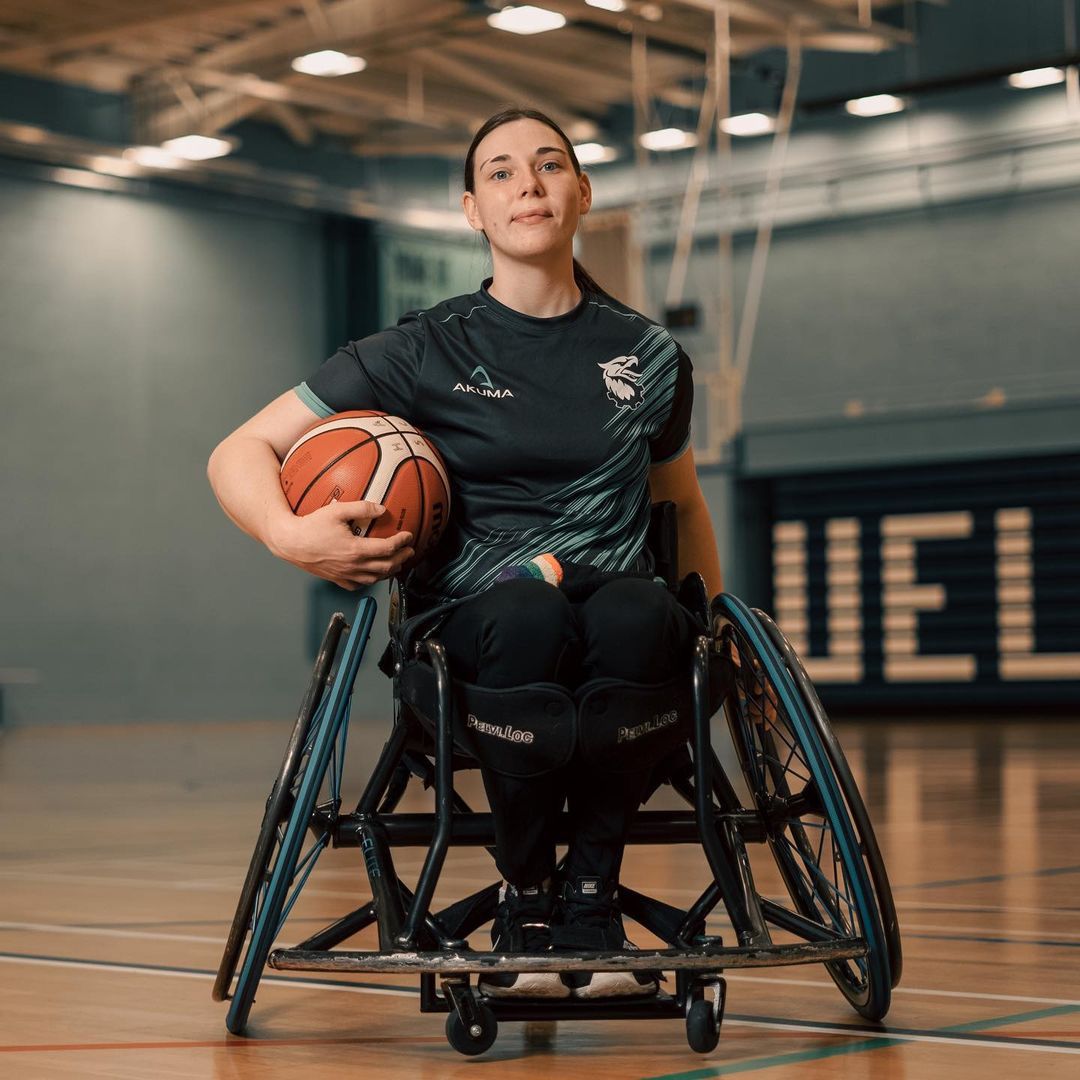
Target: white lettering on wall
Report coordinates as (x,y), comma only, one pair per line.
(902,598)
(843,663)
(1017,658)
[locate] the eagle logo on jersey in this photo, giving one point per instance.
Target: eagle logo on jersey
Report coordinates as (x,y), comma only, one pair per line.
(620,380)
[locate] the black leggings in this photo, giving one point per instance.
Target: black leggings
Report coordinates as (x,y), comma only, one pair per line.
(525,631)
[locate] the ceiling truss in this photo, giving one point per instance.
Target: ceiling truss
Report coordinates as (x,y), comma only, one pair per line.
(435,69)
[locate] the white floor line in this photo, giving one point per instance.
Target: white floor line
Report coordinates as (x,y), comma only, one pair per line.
(998,1044)
(1070,913)
(230,886)
(94,879)
(96,931)
(267,980)
(914,991)
(817,984)
(982,1043)
(989,930)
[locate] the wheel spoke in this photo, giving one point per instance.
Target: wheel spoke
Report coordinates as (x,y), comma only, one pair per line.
(304,870)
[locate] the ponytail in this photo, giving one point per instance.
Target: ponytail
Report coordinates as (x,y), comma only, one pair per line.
(586,283)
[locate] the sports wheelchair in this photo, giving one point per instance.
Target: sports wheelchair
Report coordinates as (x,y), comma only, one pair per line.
(803,804)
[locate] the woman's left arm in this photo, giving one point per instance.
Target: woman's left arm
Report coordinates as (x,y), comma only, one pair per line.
(677,481)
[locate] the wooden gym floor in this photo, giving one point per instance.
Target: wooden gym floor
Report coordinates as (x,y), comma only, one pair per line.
(122,850)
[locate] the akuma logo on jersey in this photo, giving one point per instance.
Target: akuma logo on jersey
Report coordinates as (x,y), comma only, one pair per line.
(480,383)
(620,381)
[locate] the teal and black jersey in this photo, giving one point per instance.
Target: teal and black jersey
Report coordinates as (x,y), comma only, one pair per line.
(548,426)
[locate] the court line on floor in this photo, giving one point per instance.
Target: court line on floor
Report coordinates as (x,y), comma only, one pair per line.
(960,1034)
(914,991)
(116,966)
(1051,871)
(223,1043)
(206,885)
(930,927)
(963,1033)
(93,931)
(1070,912)
(216,884)
(1047,943)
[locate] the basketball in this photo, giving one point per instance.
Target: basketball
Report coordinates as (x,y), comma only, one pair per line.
(371,455)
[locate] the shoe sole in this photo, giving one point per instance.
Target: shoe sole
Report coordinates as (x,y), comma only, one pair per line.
(531,985)
(608,984)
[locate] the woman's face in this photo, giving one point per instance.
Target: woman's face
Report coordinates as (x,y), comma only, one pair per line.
(526,196)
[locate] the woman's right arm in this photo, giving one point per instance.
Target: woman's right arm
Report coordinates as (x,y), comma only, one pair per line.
(244,472)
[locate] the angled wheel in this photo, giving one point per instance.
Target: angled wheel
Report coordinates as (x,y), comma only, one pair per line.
(860,818)
(807,822)
(318,771)
(276,813)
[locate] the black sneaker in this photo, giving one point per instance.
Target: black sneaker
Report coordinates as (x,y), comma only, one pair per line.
(522,924)
(587,919)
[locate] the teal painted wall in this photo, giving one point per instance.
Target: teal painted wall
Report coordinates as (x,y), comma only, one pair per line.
(136,334)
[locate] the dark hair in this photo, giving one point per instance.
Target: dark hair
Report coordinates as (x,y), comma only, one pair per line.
(582,278)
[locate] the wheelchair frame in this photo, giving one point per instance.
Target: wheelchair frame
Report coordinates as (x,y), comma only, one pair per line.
(848,923)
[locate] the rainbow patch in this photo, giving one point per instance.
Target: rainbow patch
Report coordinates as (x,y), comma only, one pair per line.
(543,567)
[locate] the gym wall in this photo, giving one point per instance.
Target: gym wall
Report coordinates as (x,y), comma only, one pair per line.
(137,333)
(944,336)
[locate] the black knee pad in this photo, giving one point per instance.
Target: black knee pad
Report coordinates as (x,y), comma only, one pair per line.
(626,727)
(521,731)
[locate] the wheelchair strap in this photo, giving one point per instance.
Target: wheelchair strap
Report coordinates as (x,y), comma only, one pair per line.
(519,731)
(627,727)
(403,640)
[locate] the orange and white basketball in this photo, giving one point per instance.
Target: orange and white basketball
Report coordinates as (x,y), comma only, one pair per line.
(371,455)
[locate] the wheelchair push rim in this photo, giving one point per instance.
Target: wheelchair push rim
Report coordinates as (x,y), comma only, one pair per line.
(321,761)
(278,805)
(860,817)
(805,817)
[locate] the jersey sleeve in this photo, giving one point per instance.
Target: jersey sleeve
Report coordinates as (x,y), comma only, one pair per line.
(377,372)
(674,437)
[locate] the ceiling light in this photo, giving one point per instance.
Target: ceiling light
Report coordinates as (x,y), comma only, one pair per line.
(1045,76)
(582,131)
(526,19)
(153,157)
(114,166)
(26,133)
(84,179)
(328,63)
(875,105)
(198,147)
(594,153)
(668,139)
(751,123)
(608,5)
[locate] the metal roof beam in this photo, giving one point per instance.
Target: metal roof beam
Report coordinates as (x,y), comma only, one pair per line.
(810,13)
(37,49)
(498,86)
(357,24)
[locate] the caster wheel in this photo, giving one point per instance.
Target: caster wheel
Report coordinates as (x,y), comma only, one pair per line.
(476,1038)
(702,1026)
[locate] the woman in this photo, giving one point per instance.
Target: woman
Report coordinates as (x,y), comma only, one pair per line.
(562,415)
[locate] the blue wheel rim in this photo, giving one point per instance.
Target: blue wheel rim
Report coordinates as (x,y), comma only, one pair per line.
(861,901)
(323,738)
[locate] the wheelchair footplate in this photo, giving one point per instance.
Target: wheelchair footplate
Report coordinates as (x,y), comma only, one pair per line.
(469,962)
(472,1021)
